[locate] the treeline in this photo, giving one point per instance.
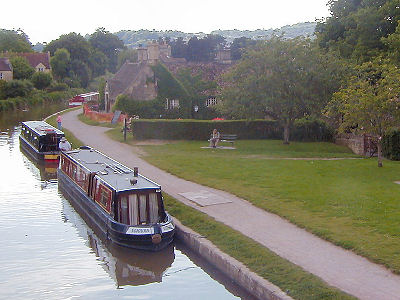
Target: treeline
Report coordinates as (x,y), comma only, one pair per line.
(349,75)
(134,38)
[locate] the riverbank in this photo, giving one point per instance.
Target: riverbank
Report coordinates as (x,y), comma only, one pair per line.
(336,266)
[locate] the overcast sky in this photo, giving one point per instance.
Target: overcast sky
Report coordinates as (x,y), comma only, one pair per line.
(45,20)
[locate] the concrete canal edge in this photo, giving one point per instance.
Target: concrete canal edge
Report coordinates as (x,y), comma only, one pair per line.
(230,267)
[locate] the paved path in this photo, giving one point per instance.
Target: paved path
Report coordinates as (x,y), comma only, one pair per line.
(338,267)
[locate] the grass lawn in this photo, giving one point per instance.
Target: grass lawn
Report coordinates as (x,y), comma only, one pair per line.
(292,279)
(351,202)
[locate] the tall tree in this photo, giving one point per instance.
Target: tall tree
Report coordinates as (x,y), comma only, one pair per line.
(370,103)
(282,79)
(239,45)
(60,63)
(109,44)
(77,46)
(356,27)
(14,41)
(21,68)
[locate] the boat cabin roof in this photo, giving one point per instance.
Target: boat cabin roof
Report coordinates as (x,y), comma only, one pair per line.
(115,174)
(42,128)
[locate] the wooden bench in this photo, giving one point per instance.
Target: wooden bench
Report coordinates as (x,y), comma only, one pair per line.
(228,138)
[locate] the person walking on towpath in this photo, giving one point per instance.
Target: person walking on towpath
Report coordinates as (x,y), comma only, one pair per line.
(59,122)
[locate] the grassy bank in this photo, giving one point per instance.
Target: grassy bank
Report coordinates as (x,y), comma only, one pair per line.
(75,143)
(349,202)
(290,278)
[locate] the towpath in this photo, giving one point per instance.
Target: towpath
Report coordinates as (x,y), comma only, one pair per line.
(336,266)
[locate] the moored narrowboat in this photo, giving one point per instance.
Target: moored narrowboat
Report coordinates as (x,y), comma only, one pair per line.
(40,140)
(123,205)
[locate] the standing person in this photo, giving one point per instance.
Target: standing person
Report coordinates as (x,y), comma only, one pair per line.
(214,138)
(59,121)
(64,145)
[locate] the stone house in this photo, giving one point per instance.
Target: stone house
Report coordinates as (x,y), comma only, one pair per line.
(137,80)
(6,70)
(37,60)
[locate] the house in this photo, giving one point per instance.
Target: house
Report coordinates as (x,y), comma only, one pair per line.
(39,61)
(6,70)
(137,80)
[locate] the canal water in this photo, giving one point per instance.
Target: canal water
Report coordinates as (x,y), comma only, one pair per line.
(48,252)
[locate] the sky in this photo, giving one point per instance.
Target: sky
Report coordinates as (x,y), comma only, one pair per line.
(45,20)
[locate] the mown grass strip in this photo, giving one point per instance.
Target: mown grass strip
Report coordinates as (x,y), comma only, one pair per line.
(351,203)
(293,280)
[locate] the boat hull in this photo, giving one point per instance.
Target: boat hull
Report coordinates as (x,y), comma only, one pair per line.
(51,156)
(108,228)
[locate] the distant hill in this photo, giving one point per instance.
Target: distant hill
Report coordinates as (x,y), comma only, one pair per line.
(133,38)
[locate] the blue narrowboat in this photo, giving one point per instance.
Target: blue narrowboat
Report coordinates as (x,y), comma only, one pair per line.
(40,140)
(123,205)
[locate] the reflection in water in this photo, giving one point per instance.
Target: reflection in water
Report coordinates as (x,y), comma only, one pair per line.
(126,266)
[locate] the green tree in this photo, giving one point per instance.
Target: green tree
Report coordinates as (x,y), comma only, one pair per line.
(370,104)
(77,46)
(98,62)
(14,41)
(282,79)
(41,80)
(356,27)
(17,88)
(198,89)
(239,45)
(60,63)
(21,68)
(109,44)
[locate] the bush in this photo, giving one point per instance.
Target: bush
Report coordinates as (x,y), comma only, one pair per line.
(200,130)
(391,144)
(312,130)
(58,86)
(17,88)
(41,80)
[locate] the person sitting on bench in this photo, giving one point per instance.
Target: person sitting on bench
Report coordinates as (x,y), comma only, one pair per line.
(214,138)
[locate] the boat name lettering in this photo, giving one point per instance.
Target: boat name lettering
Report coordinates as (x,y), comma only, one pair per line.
(135,230)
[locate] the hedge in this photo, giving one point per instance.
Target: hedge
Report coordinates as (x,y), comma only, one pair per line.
(391,144)
(201,130)
(37,97)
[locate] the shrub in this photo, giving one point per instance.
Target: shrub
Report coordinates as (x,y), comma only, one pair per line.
(17,88)
(391,144)
(41,80)
(58,86)
(200,130)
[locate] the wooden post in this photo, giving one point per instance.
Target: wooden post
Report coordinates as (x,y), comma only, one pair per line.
(125,130)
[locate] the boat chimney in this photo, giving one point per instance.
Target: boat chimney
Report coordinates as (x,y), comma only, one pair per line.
(135,171)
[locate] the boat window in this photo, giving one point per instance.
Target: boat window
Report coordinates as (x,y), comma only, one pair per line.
(153,208)
(143,209)
(124,210)
(133,211)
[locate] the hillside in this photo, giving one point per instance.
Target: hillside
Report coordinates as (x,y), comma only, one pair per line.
(133,39)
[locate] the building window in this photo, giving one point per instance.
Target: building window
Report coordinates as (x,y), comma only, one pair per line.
(41,69)
(171,104)
(1,75)
(211,101)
